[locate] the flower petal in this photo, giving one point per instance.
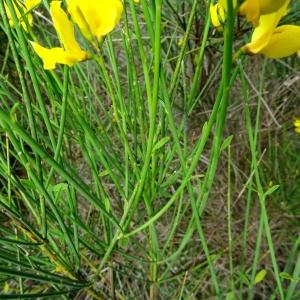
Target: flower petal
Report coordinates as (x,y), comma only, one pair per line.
(253,9)
(29,4)
(21,17)
(50,57)
(95,17)
(214,15)
(64,27)
(263,32)
(297,123)
(285,41)
(53,56)
(71,51)
(270,6)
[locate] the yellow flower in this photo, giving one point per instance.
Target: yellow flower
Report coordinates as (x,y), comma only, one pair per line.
(24,13)
(253,9)
(284,41)
(29,4)
(297,125)
(273,41)
(224,3)
(71,51)
(95,18)
(218,13)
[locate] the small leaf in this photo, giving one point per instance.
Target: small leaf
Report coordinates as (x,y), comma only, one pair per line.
(106,172)
(6,287)
(28,183)
(14,109)
(285,275)
(271,190)
(123,242)
(244,278)
(161,143)
(204,127)
(57,188)
(226,142)
(260,276)
(230,296)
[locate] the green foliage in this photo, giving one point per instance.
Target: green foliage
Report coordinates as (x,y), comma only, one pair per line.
(153,171)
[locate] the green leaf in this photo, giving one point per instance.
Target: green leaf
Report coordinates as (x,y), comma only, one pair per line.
(285,275)
(104,173)
(18,242)
(123,242)
(260,276)
(51,278)
(271,190)
(230,296)
(244,278)
(37,296)
(161,143)
(14,109)
(226,142)
(57,188)
(204,127)
(28,183)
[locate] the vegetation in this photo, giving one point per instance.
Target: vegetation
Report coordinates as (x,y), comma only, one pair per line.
(157,161)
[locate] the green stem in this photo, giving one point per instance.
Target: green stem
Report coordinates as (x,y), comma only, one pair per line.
(67,175)
(28,60)
(31,121)
(61,130)
(262,198)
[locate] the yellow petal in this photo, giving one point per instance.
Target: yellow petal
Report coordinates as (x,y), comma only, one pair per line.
(29,4)
(214,15)
(95,18)
(297,129)
(270,6)
(64,27)
(263,32)
(297,123)
(53,56)
(253,9)
(77,13)
(50,57)
(285,41)
(218,12)
(71,51)
(19,15)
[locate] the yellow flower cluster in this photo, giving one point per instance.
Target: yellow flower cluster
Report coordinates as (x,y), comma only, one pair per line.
(23,14)
(95,19)
(267,38)
(71,52)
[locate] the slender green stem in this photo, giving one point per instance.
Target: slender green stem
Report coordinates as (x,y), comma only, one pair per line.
(262,198)
(31,119)
(61,130)
(76,182)
(229,220)
(28,60)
